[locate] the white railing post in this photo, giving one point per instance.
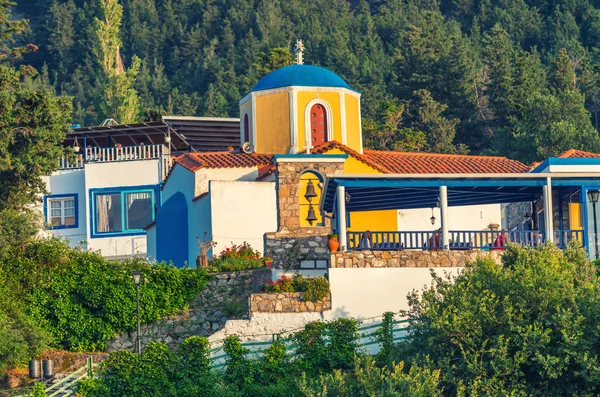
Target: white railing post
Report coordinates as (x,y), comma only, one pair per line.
(549,216)
(444,216)
(341,216)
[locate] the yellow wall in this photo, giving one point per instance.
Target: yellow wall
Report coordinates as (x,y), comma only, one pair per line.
(272,123)
(352,123)
(382,221)
(385,221)
(332,99)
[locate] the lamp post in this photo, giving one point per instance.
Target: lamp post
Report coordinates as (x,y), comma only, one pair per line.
(593,197)
(137,276)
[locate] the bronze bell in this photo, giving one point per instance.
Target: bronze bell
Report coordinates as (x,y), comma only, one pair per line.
(310,191)
(311,215)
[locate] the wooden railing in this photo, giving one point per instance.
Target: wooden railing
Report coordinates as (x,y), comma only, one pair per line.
(110,154)
(458,239)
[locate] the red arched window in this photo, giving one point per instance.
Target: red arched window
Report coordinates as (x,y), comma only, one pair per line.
(318,124)
(246,130)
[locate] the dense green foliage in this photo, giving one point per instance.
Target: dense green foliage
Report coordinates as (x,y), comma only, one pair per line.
(518,78)
(314,288)
(186,371)
(33,124)
(527,328)
(54,295)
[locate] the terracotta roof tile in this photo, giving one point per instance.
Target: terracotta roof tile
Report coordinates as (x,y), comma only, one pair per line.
(573,153)
(327,146)
(265,171)
(431,163)
(196,161)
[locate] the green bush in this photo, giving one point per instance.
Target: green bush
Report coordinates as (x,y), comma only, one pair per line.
(20,337)
(237,258)
(367,379)
(314,288)
(82,300)
(529,327)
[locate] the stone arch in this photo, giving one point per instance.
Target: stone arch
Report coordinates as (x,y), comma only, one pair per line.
(316,179)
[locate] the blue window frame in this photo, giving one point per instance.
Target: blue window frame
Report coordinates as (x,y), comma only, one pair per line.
(61,211)
(122,211)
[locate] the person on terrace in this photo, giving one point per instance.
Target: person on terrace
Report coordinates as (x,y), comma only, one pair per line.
(500,240)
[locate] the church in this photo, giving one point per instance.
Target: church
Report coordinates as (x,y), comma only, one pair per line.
(298,124)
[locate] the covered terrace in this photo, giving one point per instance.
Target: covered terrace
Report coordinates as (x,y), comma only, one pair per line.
(349,193)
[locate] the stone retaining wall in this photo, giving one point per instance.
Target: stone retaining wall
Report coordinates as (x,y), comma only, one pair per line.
(288,248)
(226,297)
(286,302)
(380,259)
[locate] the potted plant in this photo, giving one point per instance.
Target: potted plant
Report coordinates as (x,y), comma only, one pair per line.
(268,262)
(333,242)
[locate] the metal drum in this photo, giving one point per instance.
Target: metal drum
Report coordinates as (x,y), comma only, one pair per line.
(34,369)
(48,369)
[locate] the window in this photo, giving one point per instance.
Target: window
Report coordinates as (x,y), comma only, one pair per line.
(61,211)
(122,212)
(318,124)
(246,129)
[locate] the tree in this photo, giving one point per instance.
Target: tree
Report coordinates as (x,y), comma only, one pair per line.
(120,100)
(527,327)
(33,125)
(438,130)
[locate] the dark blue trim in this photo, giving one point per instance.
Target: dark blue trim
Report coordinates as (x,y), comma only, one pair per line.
(309,156)
(119,190)
(76,204)
(568,161)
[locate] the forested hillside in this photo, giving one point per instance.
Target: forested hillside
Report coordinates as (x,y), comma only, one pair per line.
(519,78)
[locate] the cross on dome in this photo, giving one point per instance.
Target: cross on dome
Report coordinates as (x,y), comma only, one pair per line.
(298,50)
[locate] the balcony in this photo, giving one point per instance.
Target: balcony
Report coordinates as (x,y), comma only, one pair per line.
(459,239)
(111,154)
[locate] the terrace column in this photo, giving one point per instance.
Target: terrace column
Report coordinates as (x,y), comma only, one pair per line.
(444,216)
(548,215)
(341,216)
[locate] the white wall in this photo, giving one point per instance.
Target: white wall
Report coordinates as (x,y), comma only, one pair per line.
(71,182)
(180,180)
(242,211)
(199,215)
(365,293)
(119,174)
(203,176)
(471,217)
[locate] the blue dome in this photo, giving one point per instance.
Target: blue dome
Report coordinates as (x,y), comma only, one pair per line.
(300,75)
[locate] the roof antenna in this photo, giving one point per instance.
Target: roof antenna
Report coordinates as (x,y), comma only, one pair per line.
(109,122)
(298,50)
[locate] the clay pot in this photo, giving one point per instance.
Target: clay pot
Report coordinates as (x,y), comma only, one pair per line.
(333,244)
(269,264)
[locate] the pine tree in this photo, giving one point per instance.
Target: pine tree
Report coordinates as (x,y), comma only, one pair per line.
(120,101)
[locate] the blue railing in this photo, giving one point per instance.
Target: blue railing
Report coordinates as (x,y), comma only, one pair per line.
(458,239)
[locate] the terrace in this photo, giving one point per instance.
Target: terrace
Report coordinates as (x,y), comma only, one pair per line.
(544,190)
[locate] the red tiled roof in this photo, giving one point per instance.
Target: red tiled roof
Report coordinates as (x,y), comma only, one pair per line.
(196,161)
(431,163)
(573,153)
(327,146)
(265,171)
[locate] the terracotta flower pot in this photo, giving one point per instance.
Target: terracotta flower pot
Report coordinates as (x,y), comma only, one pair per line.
(333,244)
(269,264)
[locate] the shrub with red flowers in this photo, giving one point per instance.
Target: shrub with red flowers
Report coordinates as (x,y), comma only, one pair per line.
(314,288)
(237,257)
